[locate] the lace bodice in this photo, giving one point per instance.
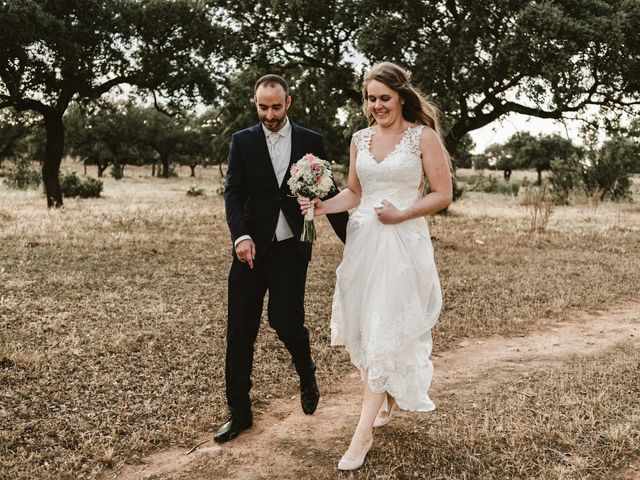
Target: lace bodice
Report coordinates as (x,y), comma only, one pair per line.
(397,178)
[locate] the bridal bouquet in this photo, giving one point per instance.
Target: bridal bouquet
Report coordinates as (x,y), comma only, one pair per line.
(312,178)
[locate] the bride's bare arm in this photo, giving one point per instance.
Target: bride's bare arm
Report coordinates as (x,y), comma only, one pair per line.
(346,199)
(436,167)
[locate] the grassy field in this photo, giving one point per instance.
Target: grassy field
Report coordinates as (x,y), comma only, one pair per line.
(113,316)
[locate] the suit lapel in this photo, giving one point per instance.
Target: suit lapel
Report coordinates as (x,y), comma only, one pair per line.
(263,153)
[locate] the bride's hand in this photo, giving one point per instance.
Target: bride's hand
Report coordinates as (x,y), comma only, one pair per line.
(388,213)
(318,206)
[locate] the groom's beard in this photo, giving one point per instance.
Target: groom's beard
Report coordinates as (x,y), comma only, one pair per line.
(275,124)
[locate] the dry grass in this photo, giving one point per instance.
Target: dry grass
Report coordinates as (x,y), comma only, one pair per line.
(113,315)
(578,420)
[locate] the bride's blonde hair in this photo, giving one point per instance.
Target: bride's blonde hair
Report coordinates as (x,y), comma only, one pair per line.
(416,107)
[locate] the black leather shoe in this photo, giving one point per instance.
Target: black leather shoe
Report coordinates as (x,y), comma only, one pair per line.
(237,423)
(309,395)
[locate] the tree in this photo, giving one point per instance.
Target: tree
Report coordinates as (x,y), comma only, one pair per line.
(54,52)
(194,147)
(311,44)
(479,61)
(523,151)
(110,135)
(608,172)
(13,130)
(166,136)
(538,152)
(462,156)
(501,157)
(483,60)
(632,135)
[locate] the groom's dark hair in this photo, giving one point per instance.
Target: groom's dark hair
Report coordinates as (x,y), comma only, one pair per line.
(272,79)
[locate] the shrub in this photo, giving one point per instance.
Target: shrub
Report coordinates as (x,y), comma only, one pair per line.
(566,177)
(171,172)
(490,184)
(509,188)
(22,176)
(117,171)
(539,204)
(195,192)
(609,172)
(74,186)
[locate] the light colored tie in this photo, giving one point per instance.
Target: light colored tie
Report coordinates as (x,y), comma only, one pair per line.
(273,145)
(283,231)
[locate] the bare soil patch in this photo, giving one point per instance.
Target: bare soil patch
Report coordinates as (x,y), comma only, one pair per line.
(284,443)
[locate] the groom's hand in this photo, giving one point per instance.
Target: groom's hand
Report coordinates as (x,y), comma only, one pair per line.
(246,252)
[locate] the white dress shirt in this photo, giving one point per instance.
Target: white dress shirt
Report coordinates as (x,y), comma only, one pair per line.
(279,145)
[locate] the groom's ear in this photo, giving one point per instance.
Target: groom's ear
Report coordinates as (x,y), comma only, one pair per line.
(288,102)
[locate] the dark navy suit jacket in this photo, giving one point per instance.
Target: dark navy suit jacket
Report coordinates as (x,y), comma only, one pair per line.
(253,198)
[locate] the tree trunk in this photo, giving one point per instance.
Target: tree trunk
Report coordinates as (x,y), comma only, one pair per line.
(165,166)
(53,156)
(221,172)
(507,174)
(153,169)
(539,176)
(193,170)
(101,168)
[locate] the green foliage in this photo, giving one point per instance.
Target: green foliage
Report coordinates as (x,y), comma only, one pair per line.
(53,52)
(461,155)
(22,176)
(127,134)
(195,192)
(524,151)
(481,162)
(458,190)
(609,171)
(117,171)
(491,184)
(74,186)
(167,172)
(566,177)
(13,131)
(478,59)
(508,188)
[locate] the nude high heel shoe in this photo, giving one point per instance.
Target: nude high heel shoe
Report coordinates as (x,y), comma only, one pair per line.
(382,421)
(346,464)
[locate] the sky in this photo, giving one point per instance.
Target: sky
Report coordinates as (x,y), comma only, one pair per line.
(500,130)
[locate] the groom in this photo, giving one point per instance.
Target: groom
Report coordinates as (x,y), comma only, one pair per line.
(265,223)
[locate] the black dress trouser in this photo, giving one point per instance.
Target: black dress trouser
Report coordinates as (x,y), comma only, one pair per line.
(283,272)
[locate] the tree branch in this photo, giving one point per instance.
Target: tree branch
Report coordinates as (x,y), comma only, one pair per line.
(160,108)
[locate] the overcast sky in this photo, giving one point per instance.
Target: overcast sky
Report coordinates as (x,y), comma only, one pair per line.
(500,130)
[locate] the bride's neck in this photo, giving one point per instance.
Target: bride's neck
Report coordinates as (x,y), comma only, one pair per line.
(395,128)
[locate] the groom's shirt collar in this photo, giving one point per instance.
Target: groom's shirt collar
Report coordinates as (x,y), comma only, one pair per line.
(283,132)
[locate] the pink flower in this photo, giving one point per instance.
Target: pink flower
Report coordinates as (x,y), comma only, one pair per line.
(295,170)
(309,157)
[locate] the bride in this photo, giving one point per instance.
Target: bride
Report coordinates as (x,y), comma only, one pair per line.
(388,295)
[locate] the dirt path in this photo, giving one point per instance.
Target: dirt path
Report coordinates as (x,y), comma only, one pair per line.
(284,442)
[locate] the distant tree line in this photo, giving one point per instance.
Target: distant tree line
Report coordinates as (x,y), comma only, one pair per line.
(597,169)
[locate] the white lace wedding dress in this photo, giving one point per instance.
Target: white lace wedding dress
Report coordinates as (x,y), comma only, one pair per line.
(388,295)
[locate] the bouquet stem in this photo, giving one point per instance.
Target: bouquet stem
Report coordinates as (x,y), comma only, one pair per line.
(309,228)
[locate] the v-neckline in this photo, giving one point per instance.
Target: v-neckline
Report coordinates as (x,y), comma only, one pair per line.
(393,150)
